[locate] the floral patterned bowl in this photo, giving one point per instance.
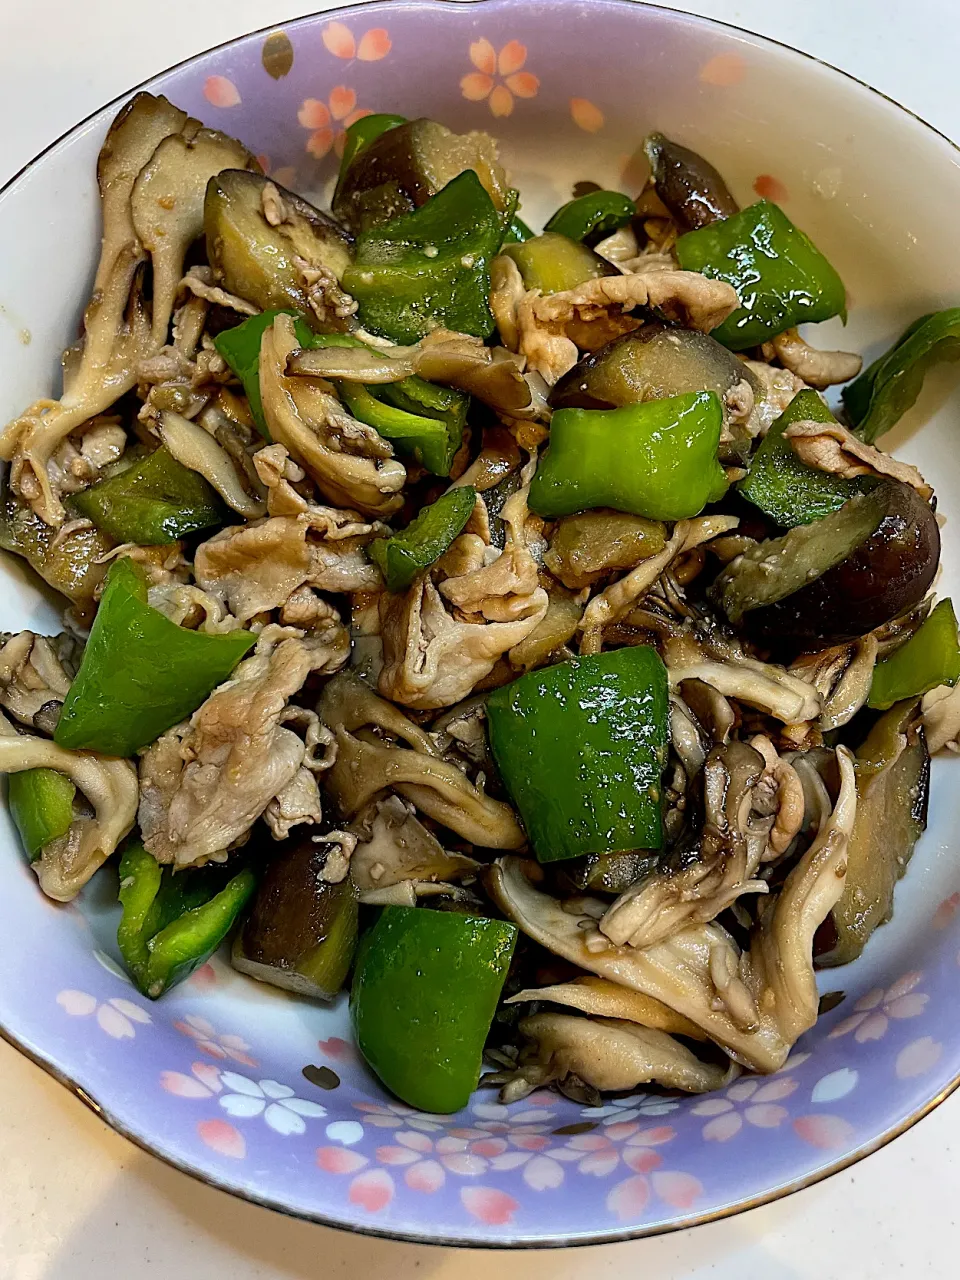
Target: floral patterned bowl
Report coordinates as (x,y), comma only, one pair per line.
(264,1095)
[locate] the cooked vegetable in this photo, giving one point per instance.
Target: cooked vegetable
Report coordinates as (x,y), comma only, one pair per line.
(890,386)
(157,500)
(553,263)
(609,872)
(591,217)
(359,136)
(782,278)
(400,170)
(688,185)
(931,657)
(263,260)
(401,557)
(41,804)
(786,489)
(657,459)
(839,577)
(893,779)
(301,932)
(428,441)
(240,347)
(71,561)
(172,924)
(651,363)
(424,993)
(517,231)
(430,268)
(581,747)
(140,673)
(589,547)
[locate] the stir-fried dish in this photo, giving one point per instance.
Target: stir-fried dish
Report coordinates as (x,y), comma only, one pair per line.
(499,625)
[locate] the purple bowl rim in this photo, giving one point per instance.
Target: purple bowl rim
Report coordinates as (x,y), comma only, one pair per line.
(120,1127)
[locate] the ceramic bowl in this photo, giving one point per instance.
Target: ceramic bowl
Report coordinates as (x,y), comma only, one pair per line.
(221,1077)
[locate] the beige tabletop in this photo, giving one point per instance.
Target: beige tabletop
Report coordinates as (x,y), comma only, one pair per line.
(80,1203)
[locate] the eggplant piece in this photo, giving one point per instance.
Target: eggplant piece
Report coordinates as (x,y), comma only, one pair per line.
(301,932)
(401,169)
(893,783)
(256,260)
(688,185)
(650,363)
(71,563)
(607,872)
(592,545)
(838,578)
(554,263)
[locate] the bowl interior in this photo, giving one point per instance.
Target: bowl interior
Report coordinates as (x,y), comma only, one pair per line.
(221,1077)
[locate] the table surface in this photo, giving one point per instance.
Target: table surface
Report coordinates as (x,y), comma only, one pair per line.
(79,1201)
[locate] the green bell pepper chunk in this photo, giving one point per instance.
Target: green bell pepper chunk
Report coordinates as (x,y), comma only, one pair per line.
(430,268)
(427,440)
(517,231)
(172,924)
(240,347)
(424,420)
(424,540)
(155,501)
(41,804)
(782,278)
(883,393)
(655,459)
(581,747)
(359,136)
(930,657)
(140,672)
(425,989)
(596,215)
(783,487)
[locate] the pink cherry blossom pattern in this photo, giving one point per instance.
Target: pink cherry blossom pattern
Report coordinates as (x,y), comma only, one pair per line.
(759,1107)
(117,1017)
(221,92)
(489,1205)
(946,911)
(223,1137)
(340,1160)
(397,1115)
(628,1199)
(203,1082)
(600,1154)
(373,45)
(872,1012)
(918,1057)
(499,77)
(372,1190)
(586,115)
(337,1048)
(328,121)
(208,1040)
(768,187)
(827,1133)
(723,71)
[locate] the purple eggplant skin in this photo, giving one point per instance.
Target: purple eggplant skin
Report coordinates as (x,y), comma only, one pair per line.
(887,572)
(688,185)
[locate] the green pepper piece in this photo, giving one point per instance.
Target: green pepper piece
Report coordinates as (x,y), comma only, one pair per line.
(781,276)
(554,263)
(172,924)
(581,747)
(41,804)
(240,347)
(431,267)
(424,540)
(596,215)
(427,440)
(655,459)
(783,487)
(428,400)
(425,989)
(140,672)
(155,501)
(517,231)
(883,393)
(930,657)
(359,136)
